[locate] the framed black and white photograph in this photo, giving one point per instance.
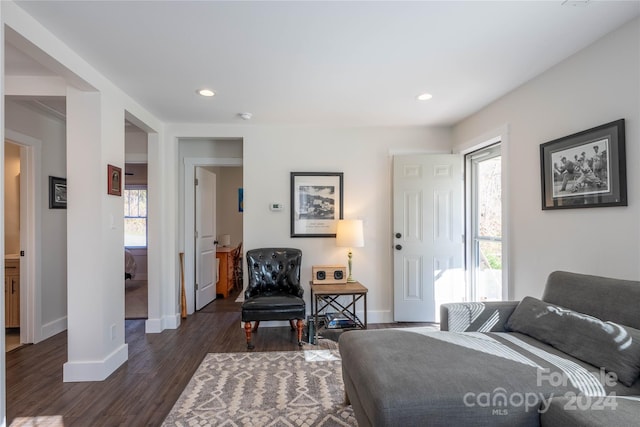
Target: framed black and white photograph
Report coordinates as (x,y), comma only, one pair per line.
(57,193)
(586,169)
(316,203)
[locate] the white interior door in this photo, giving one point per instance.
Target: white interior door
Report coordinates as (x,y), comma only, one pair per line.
(205,232)
(428,240)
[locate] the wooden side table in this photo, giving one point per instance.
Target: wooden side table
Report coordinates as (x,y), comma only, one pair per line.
(326,296)
(225,281)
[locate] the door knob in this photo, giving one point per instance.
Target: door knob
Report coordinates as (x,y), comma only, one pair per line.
(398,235)
(398,247)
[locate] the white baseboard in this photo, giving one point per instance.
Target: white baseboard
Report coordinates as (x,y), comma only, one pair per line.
(53,328)
(171,322)
(82,371)
(155,326)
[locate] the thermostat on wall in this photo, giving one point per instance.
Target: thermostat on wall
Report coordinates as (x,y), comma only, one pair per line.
(275,206)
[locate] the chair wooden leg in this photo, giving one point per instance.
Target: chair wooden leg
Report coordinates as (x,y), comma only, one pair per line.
(255,327)
(247,331)
(300,328)
(293,326)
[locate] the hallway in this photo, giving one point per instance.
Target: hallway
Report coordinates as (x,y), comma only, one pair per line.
(143,390)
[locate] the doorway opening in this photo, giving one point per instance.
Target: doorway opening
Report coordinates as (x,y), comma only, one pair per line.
(202,153)
(135,242)
(484,223)
(12,245)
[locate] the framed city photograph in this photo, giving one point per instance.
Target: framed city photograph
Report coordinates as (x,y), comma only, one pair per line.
(586,169)
(57,193)
(316,203)
(114,180)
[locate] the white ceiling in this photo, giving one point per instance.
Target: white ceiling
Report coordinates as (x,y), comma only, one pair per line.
(324,63)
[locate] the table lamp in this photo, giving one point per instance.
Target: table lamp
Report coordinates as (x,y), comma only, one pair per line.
(349,234)
(225,240)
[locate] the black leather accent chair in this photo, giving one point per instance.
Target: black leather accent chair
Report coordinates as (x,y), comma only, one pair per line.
(273,291)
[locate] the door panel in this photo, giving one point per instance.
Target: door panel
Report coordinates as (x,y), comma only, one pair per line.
(206,271)
(412,289)
(427,216)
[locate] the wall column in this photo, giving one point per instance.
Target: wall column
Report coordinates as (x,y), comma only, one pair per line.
(95,238)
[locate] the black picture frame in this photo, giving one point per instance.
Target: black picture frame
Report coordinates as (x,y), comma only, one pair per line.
(316,203)
(57,193)
(586,169)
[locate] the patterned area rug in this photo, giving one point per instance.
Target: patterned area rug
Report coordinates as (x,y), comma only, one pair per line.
(292,388)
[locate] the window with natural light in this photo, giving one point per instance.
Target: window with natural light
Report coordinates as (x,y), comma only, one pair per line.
(486,224)
(135,217)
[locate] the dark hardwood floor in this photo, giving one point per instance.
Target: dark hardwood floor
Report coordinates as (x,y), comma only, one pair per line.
(143,390)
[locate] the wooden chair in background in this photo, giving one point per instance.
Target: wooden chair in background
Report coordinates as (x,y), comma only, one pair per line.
(236,256)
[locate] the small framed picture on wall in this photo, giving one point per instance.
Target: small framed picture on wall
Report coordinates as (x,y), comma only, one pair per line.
(57,193)
(114,180)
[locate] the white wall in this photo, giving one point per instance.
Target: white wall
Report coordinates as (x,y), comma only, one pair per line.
(597,85)
(229,219)
(362,154)
(135,145)
(206,148)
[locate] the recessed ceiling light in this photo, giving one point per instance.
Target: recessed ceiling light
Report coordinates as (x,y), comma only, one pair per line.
(575,3)
(206,92)
(424,96)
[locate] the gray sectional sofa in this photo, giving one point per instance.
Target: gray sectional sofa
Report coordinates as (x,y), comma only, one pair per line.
(567,359)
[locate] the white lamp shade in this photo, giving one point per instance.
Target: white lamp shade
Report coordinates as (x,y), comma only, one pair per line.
(225,240)
(349,233)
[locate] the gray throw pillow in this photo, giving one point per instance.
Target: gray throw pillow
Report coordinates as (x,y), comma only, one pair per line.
(607,345)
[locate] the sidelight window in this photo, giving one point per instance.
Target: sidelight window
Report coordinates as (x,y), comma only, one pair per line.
(484,221)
